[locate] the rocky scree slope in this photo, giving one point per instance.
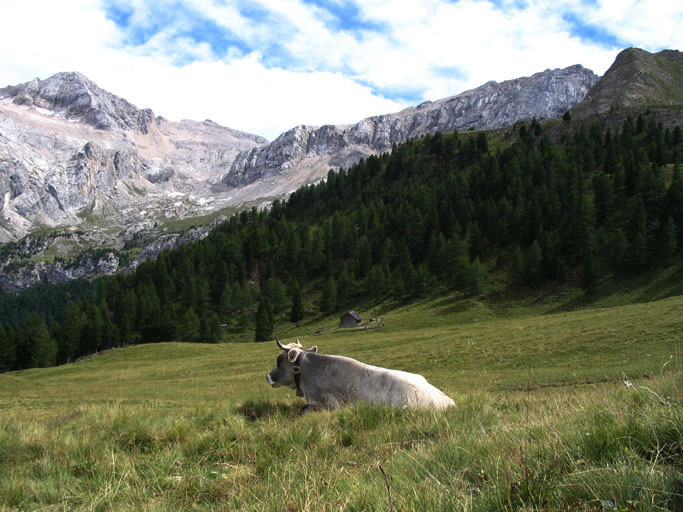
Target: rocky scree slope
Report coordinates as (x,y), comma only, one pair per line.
(493,105)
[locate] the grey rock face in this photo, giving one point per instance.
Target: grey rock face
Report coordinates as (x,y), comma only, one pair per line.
(173,241)
(77,98)
(42,272)
(71,152)
(493,105)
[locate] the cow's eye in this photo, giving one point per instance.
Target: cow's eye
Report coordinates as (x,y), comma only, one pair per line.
(279,359)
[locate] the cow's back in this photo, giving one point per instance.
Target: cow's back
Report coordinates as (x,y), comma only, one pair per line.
(398,388)
(348,380)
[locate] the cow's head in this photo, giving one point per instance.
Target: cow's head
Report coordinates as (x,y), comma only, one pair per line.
(283,373)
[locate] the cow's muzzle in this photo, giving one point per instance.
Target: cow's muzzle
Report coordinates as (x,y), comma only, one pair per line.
(271,381)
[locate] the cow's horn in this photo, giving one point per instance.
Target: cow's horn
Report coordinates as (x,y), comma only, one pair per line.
(298,342)
(277,340)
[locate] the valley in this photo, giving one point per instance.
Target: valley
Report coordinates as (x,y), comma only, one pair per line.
(532,272)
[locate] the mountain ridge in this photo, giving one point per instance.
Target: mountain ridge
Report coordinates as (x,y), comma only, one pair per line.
(123,186)
(492,105)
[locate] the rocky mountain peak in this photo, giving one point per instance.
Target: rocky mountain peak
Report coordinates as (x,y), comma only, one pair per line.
(637,78)
(672,55)
(72,153)
(74,96)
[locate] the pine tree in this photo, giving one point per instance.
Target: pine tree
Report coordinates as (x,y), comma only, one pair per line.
(410,281)
(149,314)
(125,317)
(460,272)
(315,249)
(589,276)
(482,142)
(8,355)
(376,283)
(187,283)
(534,264)
(363,258)
(110,331)
(638,254)
(72,325)
(476,278)
(328,301)
(636,233)
(518,266)
(210,328)
(203,291)
(673,202)
(243,322)
(602,190)
(276,293)
(619,178)
(92,334)
(265,321)
(345,284)
(188,328)
(225,307)
(42,348)
(616,250)
(296,314)
(425,282)
(668,242)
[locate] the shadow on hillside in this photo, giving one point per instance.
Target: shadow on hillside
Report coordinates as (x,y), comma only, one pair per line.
(656,284)
(259,409)
(669,285)
(454,304)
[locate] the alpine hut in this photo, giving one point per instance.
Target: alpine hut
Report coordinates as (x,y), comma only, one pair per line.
(350,319)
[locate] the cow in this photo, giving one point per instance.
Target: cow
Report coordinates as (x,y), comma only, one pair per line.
(328,382)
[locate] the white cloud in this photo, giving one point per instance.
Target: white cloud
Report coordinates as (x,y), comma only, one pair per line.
(650,24)
(239,93)
(429,49)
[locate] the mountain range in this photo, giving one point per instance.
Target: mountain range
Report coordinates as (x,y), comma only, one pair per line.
(82,169)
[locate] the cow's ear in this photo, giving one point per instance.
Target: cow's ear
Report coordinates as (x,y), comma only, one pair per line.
(293,354)
(313,349)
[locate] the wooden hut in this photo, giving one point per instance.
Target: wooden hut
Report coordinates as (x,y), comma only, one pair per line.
(350,319)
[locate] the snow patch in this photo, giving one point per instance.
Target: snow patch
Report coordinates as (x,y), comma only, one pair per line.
(44,111)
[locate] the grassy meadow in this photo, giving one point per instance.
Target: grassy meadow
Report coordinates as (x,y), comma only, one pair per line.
(556,410)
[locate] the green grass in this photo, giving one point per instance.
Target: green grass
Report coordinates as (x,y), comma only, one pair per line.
(543,419)
(180,224)
(673,91)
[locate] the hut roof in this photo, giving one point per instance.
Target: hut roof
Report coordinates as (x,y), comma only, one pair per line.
(355,315)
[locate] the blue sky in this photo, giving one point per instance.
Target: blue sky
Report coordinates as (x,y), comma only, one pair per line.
(264,66)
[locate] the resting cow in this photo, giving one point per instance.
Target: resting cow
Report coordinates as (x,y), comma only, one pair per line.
(331,381)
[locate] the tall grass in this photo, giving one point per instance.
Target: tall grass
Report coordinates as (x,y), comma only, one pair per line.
(598,447)
(544,421)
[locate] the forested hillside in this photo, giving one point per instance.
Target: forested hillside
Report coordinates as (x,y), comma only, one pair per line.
(438,213)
